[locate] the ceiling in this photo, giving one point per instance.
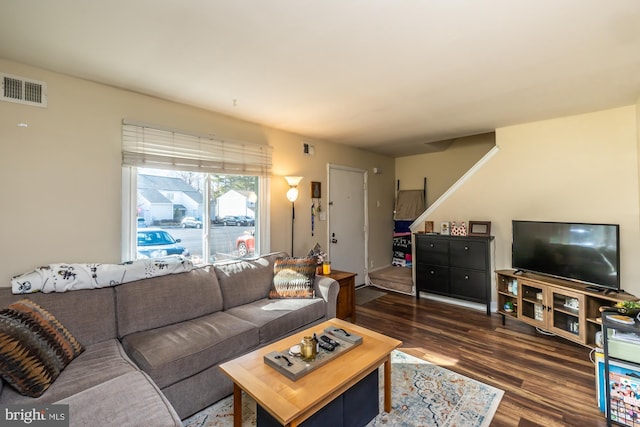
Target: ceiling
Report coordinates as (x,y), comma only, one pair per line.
(387,76)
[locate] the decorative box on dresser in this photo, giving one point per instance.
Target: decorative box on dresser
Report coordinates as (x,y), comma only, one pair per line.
(454,266)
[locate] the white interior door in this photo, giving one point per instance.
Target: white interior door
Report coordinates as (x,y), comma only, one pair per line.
(348,221)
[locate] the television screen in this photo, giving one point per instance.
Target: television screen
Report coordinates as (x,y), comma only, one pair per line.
(588,253)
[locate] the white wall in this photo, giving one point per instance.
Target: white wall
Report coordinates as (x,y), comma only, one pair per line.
(581,168)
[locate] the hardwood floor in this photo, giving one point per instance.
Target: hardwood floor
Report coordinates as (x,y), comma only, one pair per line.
(548,381)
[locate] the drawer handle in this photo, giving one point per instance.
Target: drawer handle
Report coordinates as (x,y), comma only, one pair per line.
(466,248)
(432,272)
(466,277)
(430,245)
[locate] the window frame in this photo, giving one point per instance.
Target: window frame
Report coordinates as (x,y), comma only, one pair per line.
(154,147)
(130,215)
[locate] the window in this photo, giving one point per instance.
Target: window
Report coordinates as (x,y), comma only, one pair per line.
(188,203)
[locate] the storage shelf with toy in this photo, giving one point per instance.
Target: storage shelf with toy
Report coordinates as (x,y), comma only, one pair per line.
(507,296)
(619,378)
(624,384)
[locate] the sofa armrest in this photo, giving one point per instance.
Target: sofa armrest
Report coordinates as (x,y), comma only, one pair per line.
(328,289)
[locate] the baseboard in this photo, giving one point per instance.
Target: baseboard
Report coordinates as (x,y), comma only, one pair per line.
(454,301)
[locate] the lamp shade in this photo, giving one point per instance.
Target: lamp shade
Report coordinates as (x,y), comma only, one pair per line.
(293,181)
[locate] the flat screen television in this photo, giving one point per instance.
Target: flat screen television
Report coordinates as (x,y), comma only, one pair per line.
(586,253)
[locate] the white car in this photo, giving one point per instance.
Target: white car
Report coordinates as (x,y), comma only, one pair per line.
(190,222)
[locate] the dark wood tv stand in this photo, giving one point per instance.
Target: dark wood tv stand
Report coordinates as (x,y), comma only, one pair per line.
(568,309)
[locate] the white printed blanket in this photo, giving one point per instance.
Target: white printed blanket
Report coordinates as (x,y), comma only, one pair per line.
(71,277)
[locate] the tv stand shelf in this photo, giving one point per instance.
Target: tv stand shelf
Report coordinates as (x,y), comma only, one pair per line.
(568,309)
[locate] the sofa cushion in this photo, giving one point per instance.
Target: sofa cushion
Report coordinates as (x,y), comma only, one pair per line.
(277,318)
(293,277)
(127,400)
(98,363)
(245,281)
(196,392)
(90,315)
(178,351)
(34,347)
(160,301)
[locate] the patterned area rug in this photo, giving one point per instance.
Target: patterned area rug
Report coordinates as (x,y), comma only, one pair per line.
(423,395)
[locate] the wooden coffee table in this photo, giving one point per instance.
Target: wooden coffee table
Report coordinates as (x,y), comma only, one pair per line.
(292,402)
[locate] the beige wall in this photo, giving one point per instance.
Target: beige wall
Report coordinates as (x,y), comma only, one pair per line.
(289,159)
(581,168)
(60,178)
(444,168)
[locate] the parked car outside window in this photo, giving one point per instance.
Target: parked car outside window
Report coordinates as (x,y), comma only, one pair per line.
(246,220)
(190,222)
(155,243)
(141,222)
(230,220)
(246,244)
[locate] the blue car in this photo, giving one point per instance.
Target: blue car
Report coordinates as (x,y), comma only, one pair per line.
(156,243)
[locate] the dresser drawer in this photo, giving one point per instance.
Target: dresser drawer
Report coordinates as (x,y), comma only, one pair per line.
(468,254)
(432,251)
(469,284)
(432,278)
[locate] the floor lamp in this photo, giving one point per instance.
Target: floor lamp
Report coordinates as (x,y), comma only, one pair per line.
(292,195)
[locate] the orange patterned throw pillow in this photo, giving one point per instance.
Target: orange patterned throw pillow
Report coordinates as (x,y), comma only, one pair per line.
(34,347)
(293,278)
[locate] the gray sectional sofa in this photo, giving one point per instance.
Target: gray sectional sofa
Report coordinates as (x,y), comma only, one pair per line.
(152,347)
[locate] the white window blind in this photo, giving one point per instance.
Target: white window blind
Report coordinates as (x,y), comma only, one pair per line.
(145,146)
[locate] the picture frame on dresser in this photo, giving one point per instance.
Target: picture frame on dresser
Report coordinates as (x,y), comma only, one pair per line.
(479,228)
(445,228)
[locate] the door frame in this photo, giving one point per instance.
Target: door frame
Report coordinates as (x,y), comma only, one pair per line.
(365,211)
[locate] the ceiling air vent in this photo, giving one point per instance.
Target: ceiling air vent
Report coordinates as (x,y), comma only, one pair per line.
(23,91)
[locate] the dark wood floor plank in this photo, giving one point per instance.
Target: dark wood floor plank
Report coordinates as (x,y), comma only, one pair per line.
(548,381)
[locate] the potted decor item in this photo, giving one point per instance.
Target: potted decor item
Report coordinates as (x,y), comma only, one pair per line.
(629,308)
(321,258)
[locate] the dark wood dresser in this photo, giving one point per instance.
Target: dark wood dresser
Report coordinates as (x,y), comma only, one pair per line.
(454,266)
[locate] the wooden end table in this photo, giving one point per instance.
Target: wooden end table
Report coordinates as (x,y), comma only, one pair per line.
(291,402)
(346,305)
